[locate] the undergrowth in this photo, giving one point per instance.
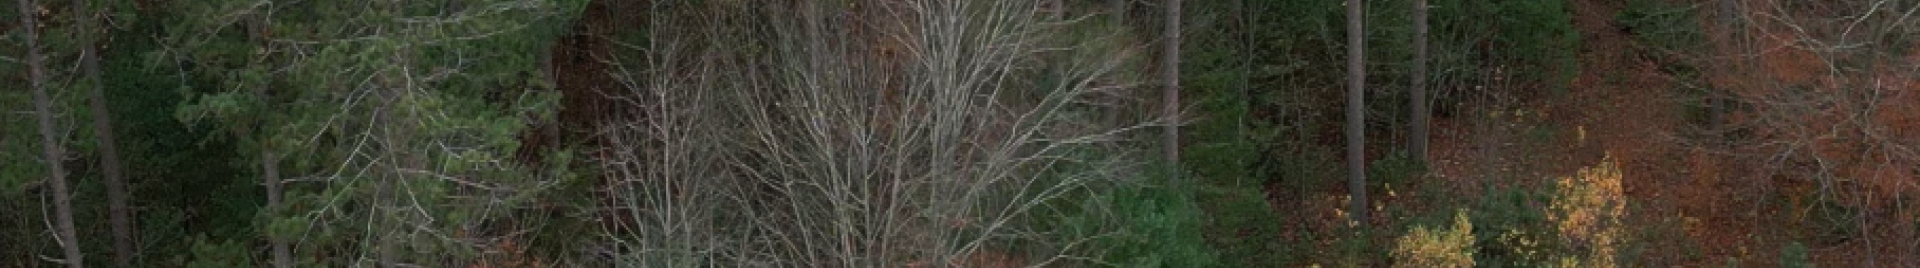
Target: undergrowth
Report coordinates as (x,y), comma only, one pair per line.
(1161,225)
(1451,247)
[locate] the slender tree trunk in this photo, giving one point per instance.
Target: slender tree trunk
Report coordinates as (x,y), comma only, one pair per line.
(49,143)
(269,161)
(1417,130)
(270,167)
(1356,117)
(1058,9)
(1246,78)
(1172,69)
(118,217)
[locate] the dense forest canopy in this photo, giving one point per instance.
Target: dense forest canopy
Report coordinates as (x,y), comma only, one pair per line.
(925,133)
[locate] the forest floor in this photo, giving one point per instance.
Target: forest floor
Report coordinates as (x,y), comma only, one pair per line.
(1622,108)
(1690,203)
(1625,110)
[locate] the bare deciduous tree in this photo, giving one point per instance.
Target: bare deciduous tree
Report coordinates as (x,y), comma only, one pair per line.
(1824,94)
(805,142)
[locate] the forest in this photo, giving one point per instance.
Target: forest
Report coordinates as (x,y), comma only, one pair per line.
(959,133)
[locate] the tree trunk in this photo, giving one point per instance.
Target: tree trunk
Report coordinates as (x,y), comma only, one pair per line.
(118,217)
(270,162)
(1417,129)
(1246,71)
(1356,131)
(49,143)
(270,168)
(1172,69)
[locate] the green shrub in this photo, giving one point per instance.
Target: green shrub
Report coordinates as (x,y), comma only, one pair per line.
(1395,169)
(1523,239)
(207,253)
(1542,36)
(1152,225)
(1535,40)
(1356,248)
(1303,167)
(1588,211)
(1244,230)
(1794,255)
(1578,223)
(1834,222)
(1437,248)
(1663,27)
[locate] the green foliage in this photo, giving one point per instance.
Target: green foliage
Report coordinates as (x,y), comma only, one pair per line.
(1225,156)
(1229,143)
(1542,36)
(1260,77)
(1533,40)
(24,231)
(1161,226)
(1521,236)
(395,124)
(1670,35)
(1666,28)
(1224,149)
(1833,222)
(1589,210)
(1578,222)
(1794,255)
(211,253)
(1451,247)
(1244,230)
(1356,248)
(401,120)
(1657,242)
(15,147)
(1395,169)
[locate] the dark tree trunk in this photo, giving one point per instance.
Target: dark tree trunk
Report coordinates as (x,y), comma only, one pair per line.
(1172,69)
(1417,129)
(1246,70)
(118,216)
(1356,117)
(49,143)
(270,167)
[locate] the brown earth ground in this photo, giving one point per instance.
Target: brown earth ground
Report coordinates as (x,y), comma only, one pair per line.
(1622,107)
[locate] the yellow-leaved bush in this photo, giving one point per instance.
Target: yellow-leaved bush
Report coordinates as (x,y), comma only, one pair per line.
(1437,248)
(1587,210)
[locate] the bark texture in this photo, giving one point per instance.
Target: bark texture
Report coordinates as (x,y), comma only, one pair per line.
(1417,130)
(49,142)
(118,217)
(1172,69)
(1356,111)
